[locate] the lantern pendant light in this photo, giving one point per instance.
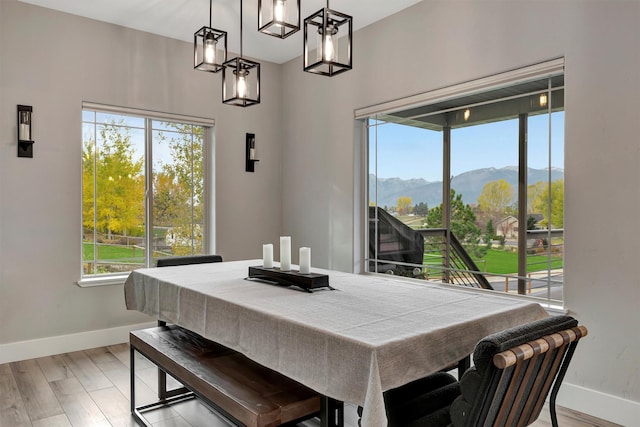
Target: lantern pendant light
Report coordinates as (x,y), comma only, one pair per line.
(209,47)
(241,79)
(279,18)
(328,36)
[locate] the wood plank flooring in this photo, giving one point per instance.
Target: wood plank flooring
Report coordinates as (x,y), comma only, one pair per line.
(91,388)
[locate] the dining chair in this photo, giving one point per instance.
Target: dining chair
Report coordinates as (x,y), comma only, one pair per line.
(513,372)
(163,393)
(186,260)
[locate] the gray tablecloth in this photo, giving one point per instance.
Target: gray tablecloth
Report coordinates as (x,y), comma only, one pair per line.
(371,334)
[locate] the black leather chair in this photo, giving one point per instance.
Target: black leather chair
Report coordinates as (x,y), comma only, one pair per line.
(513,372)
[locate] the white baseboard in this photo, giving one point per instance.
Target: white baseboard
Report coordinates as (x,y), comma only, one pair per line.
(49,346)
(601,405)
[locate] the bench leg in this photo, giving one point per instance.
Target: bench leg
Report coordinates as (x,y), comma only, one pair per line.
(132,379)
(172,396)
(331,412)
(132,389)
(162,376)
(163,393)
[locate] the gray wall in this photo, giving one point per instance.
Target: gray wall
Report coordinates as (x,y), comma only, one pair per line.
(54,61)
(438,43)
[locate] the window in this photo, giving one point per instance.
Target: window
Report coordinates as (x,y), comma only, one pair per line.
(467,186)
(124,154)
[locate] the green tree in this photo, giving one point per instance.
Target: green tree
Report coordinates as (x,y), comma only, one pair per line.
(463,223)
(421,209)
(113,183)
(489,233)
(404,205)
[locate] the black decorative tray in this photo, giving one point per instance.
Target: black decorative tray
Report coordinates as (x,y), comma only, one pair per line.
(307,282)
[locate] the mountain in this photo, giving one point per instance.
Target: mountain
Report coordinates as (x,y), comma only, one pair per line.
(469,184)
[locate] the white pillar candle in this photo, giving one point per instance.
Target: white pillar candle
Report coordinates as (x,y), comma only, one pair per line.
(24,132)
(285,253)
(267,255)
(305,260)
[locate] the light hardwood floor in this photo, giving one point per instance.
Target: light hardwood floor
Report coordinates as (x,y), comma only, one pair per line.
(91,388)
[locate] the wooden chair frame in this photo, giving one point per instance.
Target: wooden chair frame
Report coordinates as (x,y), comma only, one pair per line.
(523,377)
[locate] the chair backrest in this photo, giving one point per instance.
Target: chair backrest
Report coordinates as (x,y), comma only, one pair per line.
(186,260)
(514,372)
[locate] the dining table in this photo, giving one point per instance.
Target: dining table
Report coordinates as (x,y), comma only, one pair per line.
(366,334)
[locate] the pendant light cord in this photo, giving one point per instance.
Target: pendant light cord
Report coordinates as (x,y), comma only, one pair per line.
(210,13)
(241,28)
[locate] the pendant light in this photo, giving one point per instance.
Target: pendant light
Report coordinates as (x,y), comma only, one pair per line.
(241,79)
(328,36)
(279,18)
(209,47)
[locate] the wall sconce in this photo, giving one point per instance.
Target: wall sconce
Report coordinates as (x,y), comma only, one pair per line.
(251,153)
(25,136)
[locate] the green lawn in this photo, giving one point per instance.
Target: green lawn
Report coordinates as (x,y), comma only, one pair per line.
(113,253)
(506,262)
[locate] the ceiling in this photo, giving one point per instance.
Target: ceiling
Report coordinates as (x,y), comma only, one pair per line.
(179,19)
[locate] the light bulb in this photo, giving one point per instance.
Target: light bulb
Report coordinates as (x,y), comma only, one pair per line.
(467,114)
(278,11)
(329,51)
(210,51)
(242,86)
(543,99)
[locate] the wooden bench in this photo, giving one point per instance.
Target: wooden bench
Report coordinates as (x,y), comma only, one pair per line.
(241,390)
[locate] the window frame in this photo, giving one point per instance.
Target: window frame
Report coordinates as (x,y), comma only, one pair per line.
(366,115)
(102,279)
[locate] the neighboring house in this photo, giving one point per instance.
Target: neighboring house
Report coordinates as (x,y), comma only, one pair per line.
(507,227)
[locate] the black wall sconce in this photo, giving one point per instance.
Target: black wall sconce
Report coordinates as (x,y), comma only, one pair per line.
(251,153)
(25,136)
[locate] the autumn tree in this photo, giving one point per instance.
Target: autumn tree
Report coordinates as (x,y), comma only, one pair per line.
(534,191)
(404,205)
(179,187)
(170,200)
(541,204)
(113,183)
(495,197)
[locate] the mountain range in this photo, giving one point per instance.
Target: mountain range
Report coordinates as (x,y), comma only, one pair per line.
(469,184)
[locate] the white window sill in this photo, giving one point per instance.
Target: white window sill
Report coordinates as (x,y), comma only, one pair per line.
(102,281)
(552,307)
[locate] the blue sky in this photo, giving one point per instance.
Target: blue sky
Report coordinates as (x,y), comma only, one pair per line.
(136,125)
(407,152)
